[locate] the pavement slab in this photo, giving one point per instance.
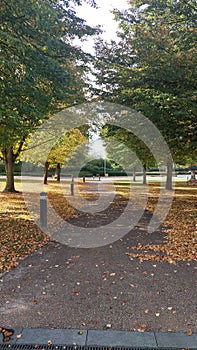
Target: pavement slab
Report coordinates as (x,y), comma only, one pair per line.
(176,340)
(55,336)
(121,338)
(98,338)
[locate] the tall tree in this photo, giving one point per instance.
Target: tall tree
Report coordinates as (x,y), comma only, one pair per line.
(152,69)
(61,151)
(41,69)
(128,149)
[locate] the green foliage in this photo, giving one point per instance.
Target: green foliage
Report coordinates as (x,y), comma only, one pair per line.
(153,69)
(96,168)
(127,148)
(41,70)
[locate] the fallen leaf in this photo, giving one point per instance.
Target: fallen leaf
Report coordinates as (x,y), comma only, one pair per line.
(142,328)
(108,325)
(18,336)
(76,292)
(189,333)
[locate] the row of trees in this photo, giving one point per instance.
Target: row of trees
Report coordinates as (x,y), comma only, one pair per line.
(61,152)
(41,69)
(153,70)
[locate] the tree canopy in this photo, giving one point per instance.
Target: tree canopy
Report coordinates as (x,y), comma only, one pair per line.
(152,69)
(41,69)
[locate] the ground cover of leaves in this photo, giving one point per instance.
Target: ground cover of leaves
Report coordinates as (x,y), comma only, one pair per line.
(20,236)
(180,226)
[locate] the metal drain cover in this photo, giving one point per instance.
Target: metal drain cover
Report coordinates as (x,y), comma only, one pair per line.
(75,347)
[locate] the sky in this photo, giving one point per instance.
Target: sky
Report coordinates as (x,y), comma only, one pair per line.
(102,17)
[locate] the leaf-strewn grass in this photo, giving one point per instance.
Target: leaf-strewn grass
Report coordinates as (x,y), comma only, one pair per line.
(180,225)
(20,236)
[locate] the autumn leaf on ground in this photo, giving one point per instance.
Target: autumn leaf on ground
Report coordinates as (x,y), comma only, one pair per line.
(142,328)
(108,326)
(180,227)
(189,333)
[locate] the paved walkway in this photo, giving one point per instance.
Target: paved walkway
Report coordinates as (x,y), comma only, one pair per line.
(64,287)
(93,289)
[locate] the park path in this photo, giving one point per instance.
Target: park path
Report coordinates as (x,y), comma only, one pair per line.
(63,287)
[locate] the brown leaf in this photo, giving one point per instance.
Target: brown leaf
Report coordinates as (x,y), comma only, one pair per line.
(142,327)
(189,333)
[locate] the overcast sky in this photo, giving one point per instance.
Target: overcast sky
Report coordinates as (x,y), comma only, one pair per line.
(102,17)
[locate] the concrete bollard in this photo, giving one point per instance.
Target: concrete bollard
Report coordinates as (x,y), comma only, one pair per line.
(43,210)
(72,188)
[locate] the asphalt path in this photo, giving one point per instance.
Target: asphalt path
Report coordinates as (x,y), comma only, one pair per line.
(99,288)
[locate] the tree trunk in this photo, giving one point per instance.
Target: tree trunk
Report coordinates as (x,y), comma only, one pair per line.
(46,171)
(169,176)
(193,175)
(9,161)
(58,171)
(134,175)
(144,175)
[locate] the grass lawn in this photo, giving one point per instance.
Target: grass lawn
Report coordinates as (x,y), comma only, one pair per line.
(21,236)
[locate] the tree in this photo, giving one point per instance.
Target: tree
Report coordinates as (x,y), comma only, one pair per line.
(152,69)
(60,152)
(128,150)
(41,69)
